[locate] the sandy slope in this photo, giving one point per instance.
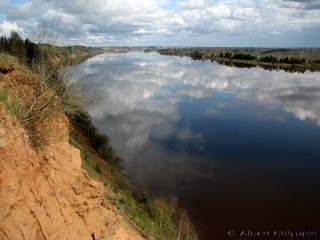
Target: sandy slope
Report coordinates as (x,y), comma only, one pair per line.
(45,194)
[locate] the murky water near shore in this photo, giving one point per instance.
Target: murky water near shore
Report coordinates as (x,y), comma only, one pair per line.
(239,148)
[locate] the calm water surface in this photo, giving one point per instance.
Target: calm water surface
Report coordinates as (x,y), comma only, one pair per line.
(239,148)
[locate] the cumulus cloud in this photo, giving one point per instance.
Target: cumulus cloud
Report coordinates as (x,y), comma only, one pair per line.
(6,28)
(194,4)
(106,21)
(307,4)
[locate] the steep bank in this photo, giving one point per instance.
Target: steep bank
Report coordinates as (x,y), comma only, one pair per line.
(44,192)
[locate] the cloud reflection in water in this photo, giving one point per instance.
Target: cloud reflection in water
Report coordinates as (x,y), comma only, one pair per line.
(173,119)
(142,94)
(143,84)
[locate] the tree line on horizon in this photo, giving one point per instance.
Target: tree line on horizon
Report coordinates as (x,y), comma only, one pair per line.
(27,51)
(249,57)
(275,57)
(14,45)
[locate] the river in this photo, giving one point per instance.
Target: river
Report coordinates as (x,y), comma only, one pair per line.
(238,147)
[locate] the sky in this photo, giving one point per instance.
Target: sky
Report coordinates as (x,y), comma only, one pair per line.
(202,23)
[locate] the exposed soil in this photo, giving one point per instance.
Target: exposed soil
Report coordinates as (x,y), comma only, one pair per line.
(44,192)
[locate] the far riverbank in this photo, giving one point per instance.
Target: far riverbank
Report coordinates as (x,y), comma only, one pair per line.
(288,59)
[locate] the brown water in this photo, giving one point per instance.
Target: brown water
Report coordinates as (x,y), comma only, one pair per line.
(238,147)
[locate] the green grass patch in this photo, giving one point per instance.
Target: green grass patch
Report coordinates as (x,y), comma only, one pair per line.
(8,58)
(11,103)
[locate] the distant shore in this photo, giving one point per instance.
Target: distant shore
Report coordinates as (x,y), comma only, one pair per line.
(288,59)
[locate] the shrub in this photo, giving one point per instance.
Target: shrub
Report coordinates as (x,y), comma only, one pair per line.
(99,140)
(270,59)
(98,169)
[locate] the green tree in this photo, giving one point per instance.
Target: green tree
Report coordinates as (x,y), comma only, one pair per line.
(31,51)
(4,44)
(16,45)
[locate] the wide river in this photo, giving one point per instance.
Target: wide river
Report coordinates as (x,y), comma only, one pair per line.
(238,147)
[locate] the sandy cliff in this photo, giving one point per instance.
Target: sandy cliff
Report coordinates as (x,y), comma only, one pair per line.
(44,194)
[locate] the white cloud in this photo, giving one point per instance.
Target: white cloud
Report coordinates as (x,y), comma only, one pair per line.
(147,20)
(247,13)
(96,38)
(219,11)
(140,31)
(6,27)
(194,4)
(274,32)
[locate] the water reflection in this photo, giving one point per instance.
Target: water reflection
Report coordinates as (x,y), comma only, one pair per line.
(238,147)
(137,81)
(289,69)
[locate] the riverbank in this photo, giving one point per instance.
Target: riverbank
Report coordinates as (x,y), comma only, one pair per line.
(288,59)
(119,212)
(45,194)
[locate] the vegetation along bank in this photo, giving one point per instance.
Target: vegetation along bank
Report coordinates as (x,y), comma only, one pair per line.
(43,107)
(288,59)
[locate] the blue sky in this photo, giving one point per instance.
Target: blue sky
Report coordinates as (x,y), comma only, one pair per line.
(211,23)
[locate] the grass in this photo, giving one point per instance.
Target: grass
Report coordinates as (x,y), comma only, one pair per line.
(136,207)
(10,103)
(8,58)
